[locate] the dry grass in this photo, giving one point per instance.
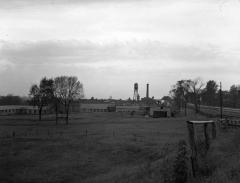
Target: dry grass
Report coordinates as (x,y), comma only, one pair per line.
(224,158)
(106,147)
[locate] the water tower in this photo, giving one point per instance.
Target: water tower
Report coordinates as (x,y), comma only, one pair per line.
(135,92)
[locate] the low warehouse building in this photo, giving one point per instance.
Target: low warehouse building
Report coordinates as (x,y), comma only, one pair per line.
(94,107)
(17,109)
(159,112)
(128,108)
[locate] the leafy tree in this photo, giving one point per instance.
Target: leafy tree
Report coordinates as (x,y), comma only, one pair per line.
(11,100)
(210,93)
(180,93)
(67,89)
(166,101)
(234,96)
(42,94)
(185,91)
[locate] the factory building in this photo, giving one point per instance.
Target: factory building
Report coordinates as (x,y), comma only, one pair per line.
(94,107)
(17,109)
(145,106)
(128,108)
(155,112)
(85,106)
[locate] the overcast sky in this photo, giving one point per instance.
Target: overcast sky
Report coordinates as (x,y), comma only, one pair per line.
(111,44)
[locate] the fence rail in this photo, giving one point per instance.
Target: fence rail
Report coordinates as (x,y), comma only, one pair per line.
(226,123)
(215,111)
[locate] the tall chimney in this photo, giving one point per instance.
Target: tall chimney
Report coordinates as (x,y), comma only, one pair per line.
(147,94)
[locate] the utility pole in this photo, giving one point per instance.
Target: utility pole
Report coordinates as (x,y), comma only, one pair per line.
(200,101)
(221,102)
(238,96)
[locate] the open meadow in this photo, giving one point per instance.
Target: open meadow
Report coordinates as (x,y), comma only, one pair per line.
(94,147)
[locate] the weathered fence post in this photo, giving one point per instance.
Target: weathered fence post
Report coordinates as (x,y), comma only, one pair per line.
(193,148)
(206,136)
(214,132)
(191,135)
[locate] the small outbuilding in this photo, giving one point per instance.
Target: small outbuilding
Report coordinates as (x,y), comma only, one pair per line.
(160,112)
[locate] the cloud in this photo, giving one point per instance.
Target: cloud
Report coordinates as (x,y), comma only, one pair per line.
(91,60)
(135,56)
(28,3)
(112,66)
(70,52)
(118,43)
(5,65)
(167,21)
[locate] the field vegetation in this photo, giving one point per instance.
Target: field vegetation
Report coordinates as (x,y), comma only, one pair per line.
(110,147)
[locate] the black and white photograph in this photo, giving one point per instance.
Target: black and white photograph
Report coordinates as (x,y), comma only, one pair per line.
(119,91)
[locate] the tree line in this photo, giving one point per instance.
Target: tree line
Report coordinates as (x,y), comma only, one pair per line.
(59,93)
(197,92)
(13,100)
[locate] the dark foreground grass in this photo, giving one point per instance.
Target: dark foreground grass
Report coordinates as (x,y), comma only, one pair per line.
(106,147)
(93,148)
(223,160)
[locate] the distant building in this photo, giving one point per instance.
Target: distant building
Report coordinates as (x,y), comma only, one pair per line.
(77,107)
(158,112)
(127,108)
(94,107)
(18,109)
(147,106)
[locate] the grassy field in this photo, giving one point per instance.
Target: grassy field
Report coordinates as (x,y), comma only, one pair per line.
(94,147)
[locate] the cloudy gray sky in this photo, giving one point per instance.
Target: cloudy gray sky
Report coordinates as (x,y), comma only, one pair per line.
(110,44)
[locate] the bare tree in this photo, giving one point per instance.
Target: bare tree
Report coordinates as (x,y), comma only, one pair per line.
(67,89)
(195,87)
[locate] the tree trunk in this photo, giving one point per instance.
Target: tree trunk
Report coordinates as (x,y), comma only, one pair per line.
(56,111)
(67,112)
(40,113)
(185,108)
(67,116)
(196,104)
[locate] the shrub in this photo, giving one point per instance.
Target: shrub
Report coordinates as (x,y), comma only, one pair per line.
(180,163)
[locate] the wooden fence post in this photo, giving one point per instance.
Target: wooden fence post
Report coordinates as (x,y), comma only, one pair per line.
(192,142)
(193,148)
(206,136)
(214,132)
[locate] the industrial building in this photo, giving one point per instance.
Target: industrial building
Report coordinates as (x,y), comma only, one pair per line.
(145,106)
(17,109)
(94,107)
(128,108)
(79,106)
